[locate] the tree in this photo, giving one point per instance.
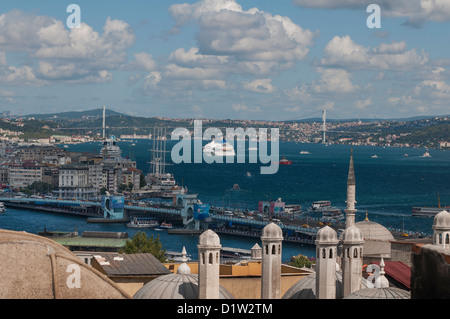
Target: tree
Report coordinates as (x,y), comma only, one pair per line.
(140,243)
(142,181)
(300,261)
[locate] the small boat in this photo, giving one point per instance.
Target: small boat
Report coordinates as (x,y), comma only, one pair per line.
(2,208)
(165,225)
(249,174)
(374,156)
(236,187)
(143,223)
(426,154)
(304,152)
(285,161)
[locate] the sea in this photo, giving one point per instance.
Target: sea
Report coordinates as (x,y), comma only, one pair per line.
(389,182)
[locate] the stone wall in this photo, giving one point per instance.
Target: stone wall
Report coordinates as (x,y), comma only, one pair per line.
(430,272)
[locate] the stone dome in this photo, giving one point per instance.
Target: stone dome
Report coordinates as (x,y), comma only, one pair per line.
(352,234)
(442,221)
(380,293)
(175,286)
(209,238)
(35,267)
(305,288)
(326,235)
(374,231)
(272,231)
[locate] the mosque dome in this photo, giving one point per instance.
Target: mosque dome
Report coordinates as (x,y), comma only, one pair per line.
(374,231)
(209,238)
(272,231)
(175,286)
(442,221)
(35,267)
(352,234)
(380,293)
(305,288)
(326,235)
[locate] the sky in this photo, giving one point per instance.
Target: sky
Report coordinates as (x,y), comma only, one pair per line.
(227,59)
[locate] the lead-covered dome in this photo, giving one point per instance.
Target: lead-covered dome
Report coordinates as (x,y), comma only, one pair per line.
(209,238)
(352,234)
(175,286)
(374,231)
(272,231)
(380,293)
(326,235)
(442,221)
(305,288)
(35,267)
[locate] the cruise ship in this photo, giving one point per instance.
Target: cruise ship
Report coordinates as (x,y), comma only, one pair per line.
(219,149)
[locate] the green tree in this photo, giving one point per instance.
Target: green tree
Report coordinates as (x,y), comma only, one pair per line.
(142,181)
(300,261)
(140,243)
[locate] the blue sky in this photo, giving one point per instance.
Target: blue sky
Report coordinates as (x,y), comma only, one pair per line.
(248,59)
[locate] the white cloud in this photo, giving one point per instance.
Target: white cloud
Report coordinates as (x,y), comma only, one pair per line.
(334,81)
(343,52)
(416,11)
(225,29)
(75,55)
(259,86)
(362,104)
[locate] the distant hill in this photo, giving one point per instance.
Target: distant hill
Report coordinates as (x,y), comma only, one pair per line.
(75,115)
(406,119)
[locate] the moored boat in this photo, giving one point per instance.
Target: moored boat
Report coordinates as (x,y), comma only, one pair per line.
(143,223)
(2,208)
(321,205)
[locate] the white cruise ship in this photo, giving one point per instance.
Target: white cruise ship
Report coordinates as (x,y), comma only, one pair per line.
(219,149)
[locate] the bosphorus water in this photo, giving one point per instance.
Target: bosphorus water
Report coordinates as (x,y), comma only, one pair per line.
(387,187)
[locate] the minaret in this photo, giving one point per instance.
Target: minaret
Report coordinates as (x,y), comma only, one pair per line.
(208,265)
(352,252)
(351,194)
(271,238)
(441,228)
(326,250)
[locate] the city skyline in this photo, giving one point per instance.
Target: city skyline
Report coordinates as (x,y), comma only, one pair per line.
(217,59)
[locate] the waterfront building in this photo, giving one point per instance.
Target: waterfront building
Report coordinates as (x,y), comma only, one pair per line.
(74,183)
(23,175)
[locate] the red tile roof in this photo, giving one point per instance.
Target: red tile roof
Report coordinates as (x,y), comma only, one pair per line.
(398,271)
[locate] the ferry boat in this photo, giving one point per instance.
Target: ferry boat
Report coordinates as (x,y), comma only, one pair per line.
(321,205)
(332,213)
(428,211)
(165,225)
(143,223)
(285,161)
(235,253)
(218,149)
(2,208)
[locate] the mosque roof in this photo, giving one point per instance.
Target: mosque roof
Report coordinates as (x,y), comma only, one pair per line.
(305,288)
(175,286)
(35,267)
(374,231)
(380,293)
